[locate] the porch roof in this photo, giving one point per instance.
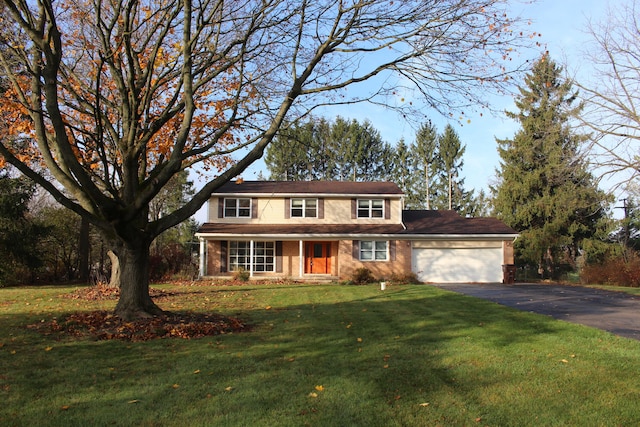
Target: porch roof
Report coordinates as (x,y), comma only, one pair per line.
(416,224)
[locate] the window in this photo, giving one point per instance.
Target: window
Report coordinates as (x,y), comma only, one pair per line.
(237,208)
(373,208)
(263,256)
(304,208)
(374,250)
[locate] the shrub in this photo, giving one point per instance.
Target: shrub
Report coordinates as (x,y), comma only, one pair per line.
(616,271)
(362,276)
(241,275)
(403,279)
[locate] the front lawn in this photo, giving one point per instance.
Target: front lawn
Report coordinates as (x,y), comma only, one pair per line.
(321,355)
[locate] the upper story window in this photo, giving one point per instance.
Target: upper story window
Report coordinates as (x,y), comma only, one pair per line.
(370,208)
(304,208)
(237,208)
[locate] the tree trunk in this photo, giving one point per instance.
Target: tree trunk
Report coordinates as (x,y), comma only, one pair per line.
(114,282)
(135,302)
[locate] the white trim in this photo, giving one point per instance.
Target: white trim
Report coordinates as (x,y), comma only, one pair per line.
(311,195)
(373,251)
(304,207)
(301,258)
(203,257)
(237,199)
(353,236)
(370,208)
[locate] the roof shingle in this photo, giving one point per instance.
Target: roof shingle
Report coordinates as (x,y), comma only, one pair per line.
(309,187)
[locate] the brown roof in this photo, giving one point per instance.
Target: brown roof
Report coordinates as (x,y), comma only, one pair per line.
(434,222)
(301,229)
(450,222)
(309,187)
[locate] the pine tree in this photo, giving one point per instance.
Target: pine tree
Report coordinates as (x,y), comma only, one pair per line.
(427,160)
(402,171)
(452,195)
(545,191)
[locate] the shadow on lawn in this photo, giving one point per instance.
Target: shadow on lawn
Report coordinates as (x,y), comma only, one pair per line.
(394,348)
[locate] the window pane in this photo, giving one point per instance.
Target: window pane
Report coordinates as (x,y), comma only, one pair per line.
(366,245)
(244,203)
(376,203)
(366,255)
(381,255)
(381,245)
(363,204)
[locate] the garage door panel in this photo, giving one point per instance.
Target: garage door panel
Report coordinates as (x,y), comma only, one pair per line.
(458,265)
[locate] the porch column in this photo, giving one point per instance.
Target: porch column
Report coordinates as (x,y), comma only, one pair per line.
(251,258)
(203,257)
(301,258)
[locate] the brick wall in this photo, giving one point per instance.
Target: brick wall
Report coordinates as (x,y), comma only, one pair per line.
(400,264)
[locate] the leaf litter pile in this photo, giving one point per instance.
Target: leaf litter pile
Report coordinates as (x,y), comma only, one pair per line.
(104,325)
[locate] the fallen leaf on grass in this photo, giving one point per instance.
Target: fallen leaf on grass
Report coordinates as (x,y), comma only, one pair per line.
(176,386)
(425,404)
(228,388)
(65,407)
(359,339)
(197,371)
(564,361)
(319,388)
(133,401)
(312,394)
(48,348)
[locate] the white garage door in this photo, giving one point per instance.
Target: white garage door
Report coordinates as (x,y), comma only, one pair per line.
(460,265)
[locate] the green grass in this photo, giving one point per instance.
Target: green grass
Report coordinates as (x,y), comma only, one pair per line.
(411,355)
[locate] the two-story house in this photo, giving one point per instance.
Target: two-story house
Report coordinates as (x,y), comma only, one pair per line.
(309,230)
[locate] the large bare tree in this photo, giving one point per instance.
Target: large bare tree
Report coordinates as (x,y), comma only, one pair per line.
(117,96)
(611,92)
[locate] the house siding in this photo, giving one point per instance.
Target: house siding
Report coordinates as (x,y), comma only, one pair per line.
(331,211)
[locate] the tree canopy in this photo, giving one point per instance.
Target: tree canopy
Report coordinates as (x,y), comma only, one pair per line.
(545,191)
(115,98)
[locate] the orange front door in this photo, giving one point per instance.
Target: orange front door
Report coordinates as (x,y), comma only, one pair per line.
(317,257)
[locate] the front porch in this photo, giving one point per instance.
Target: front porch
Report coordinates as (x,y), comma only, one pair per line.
(306,260)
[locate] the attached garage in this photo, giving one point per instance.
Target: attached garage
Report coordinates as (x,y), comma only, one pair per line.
(458,261)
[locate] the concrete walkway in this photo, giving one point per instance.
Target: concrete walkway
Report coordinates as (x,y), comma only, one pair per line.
(616,312)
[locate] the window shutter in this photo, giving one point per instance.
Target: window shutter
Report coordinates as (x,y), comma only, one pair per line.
(354,209)
(355,251)
(387,208)
(287,207)
(254,207)
(223,256)
(392,250)
(279,256)
(220,207)
(320,208)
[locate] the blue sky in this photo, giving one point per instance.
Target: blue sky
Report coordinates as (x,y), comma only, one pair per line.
(562,24)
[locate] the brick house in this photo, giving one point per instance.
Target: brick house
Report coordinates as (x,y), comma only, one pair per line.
(310,230)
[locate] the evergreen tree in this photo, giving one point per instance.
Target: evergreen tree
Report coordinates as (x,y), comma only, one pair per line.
(425,150)
(402,171)
(545,191)
(287,157)
(452,194)
(19,233)
(322,150)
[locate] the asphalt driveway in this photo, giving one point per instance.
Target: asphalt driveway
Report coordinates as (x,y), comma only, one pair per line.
(616,312)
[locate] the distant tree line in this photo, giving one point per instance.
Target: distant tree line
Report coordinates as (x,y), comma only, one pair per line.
(428,170)
(43,242)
